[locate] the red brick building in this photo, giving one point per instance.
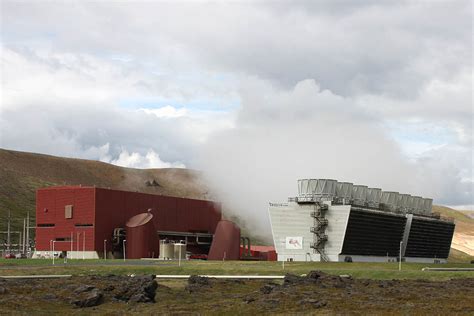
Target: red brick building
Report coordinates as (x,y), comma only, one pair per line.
(79,219)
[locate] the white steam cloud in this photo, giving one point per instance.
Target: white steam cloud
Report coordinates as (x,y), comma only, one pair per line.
(305,132)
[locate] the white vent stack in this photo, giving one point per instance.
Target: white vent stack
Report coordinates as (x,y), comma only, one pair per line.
(390,200)
(403,202)
(374,196)
(418,205)
(318,188)
(359,194)
(410,203)
(310,190)
(427,206)
(303,187)
(344,192)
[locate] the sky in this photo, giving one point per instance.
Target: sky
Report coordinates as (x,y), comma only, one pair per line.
(256,94)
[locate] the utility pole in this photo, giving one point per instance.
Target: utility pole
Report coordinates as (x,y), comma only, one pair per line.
(124,256)
(400,262)
(105,249)
(23,243)
(77,241)
(8,233)
(28,232)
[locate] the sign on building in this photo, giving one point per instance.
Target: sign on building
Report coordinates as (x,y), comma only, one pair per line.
(294,243)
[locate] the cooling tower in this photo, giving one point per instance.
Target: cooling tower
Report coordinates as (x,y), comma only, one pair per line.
(344,190)
(418,205)
(428,205)
(410,203)
(403,202)
(368,228)
(390,200)
(317,187)
(359,194)
(374,195)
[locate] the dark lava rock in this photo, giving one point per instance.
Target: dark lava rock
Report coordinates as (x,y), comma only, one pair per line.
(84,288)
(138,289)
(267,288)
(365,282)
(49,297)
(197,283)
(315,275)
(249,299)
(93,298)
(109,288)
(271,303)
(140,298)
(3,290)
(291,279)
(196,279)
(314,302)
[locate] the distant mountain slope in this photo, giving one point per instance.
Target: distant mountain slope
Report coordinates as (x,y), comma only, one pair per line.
(22,173)
(463,239)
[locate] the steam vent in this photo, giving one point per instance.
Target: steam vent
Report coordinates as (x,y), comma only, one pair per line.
(340,221)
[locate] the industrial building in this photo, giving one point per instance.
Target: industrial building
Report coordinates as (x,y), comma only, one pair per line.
(91,222)
(338,221)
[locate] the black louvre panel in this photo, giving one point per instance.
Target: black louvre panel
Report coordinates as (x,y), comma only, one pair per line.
(373,234)
(429,238)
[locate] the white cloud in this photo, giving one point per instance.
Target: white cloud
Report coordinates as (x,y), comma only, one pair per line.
(166,111)
(224,86)
(136,160)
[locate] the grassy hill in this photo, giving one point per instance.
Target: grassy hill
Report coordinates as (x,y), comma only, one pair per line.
(462,247)
(22,173)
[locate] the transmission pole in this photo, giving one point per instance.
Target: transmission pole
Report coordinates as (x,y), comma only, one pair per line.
(8,233)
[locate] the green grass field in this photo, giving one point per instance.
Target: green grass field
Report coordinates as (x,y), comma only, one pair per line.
(358,270)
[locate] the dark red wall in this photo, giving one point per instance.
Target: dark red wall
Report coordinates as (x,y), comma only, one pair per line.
(50,209)
(114,208)
(108,209)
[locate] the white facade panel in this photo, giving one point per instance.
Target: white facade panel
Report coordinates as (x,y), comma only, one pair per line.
(294,221)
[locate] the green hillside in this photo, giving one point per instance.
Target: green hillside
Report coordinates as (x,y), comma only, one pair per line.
(22,173)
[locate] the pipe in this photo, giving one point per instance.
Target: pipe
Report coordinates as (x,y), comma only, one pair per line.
(37,276)
(448,269)
(178,276)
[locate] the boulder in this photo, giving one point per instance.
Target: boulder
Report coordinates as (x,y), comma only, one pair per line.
(93,298)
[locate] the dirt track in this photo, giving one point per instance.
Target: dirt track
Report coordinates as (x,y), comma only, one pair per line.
(314,293)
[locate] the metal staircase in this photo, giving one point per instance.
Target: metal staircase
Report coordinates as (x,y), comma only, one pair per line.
(319,228)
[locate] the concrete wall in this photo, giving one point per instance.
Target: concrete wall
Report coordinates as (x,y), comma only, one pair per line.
(337,216)
(70,255)
(294,220)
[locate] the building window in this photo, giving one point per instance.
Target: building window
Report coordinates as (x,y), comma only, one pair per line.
(68,211)
(83,225)
(46,225)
